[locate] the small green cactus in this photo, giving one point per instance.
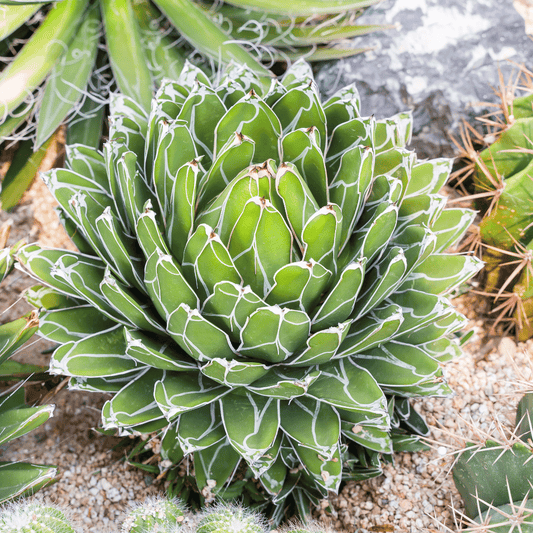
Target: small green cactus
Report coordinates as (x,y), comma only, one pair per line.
(230,519)
(159,515)
(34,518)
(496,479)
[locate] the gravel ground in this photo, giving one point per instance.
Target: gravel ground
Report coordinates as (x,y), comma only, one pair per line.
(415,494)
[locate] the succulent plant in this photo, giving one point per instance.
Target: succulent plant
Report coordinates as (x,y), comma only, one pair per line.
(34,518)
(495,478)
(16,419)
(69,51)
(156,515)
(259,273)
(502,189)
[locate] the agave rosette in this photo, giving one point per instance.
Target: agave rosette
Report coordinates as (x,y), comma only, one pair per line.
(259,273)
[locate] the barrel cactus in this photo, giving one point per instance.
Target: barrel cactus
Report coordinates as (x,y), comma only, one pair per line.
(259,273)
(34,518)
(162,515)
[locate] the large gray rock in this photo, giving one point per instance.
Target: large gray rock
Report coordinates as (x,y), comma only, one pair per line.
(440,62)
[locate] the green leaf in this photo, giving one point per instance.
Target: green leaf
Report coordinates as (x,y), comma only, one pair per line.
(201,339)
(69,77)
(201,428)
(346,385)
(253,118)
(299,285)
(303,7)
(86,126)
(284,384)
(450,226)
(273,333)
(313,424)
(213,466)
(178,393)
(14,17)
(150,352)
(99,355)
(19,479)
(18,422)
(37,58)
(301,147)
(134,404)
(428,177)
(123,41)
(14,334)
(251,423)
(20,174)
(234,372)
(260,244)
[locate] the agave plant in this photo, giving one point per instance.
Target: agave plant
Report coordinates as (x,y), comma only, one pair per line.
(143,41)
(259,273)
(16,419)
(502,187)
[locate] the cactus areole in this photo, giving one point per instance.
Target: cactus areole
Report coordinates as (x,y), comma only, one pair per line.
(260,274)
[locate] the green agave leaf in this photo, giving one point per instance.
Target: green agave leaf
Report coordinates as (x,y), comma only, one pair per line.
(381,280)
(149,233)
(370,437)
(299,285)
(213,466)
(301,147)
(236,154)
(313,424)
(373,329)
(20,174)
(440,273)
(148,351)
(166,284)
(99,355)
(343,106)
(251,422)
(310,115)
(48,298)
(85,127)
(18,422)
(123,41)
(450,226)
(73,323)
(108,384)
(284,384)
(350,186)
(428,177)
(194,25)
(14,371)
(69,77)
(346,385)
(19,479)
(170,447)
(87,161)
(125,302)
(14,334)
(134,404)
(253,118)
(178,393)
(303,7)
(398,366)
(201,339)
(16,16)
(200,429)
(340,301)
(37,58)
(449,322)
(273,479)
(234,372)
(202,111)
(297,198)
(321,347)
(260,244)
(229,307)
(180,212)
(326,222)
(206,261)
(273,333)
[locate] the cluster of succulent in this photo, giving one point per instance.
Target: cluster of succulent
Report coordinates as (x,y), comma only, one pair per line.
(500,182)
(16,419)
(260,276)
(63,58)
(495,479)
(153,516)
